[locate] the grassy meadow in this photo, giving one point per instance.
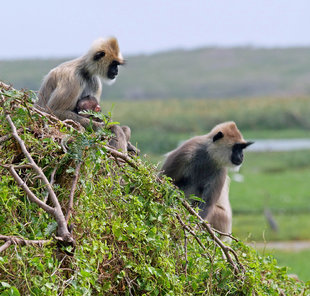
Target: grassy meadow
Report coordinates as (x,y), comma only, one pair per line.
(277,181)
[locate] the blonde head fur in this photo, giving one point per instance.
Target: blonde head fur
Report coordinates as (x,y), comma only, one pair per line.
(101,54)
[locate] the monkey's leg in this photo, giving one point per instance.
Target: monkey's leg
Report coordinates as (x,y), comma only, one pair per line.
(130,148)
(221,219)
(118,141)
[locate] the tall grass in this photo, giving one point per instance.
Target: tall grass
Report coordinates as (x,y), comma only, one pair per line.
(159,125)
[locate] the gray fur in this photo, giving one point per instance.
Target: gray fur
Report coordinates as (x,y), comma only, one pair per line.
(194,171)
(199,167)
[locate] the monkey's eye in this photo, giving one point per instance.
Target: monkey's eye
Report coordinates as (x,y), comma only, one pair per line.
(218,136)
(99,55)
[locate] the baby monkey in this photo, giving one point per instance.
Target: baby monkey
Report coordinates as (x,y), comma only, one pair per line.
(87,103)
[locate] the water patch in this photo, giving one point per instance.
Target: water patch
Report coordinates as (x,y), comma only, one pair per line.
(279,145)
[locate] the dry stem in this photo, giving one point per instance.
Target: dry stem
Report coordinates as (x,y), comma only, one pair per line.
(56,211)
(187,228)
(71,196)
(226,249)
(14,240)
(121,155)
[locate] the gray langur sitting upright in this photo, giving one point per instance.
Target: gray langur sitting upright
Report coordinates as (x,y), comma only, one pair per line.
(71,81)
(199,167)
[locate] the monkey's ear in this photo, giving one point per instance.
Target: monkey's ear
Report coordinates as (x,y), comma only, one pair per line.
(98,55)
(113,44)
(218,136)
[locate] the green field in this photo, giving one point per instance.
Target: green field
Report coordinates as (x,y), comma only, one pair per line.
(297,262)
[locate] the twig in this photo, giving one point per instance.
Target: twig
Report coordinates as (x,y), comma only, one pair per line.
(129,285)
(8,137)
(17,167)
(71,196)
(121,155)
(5,246)
(51,181)
(2,84)
(14,240)
(185,227)
(185,250)
(225,234)
(29,193)
(5,138)
(56,211)
(226,249)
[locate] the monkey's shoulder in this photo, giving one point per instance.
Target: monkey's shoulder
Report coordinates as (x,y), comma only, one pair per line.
(196,145)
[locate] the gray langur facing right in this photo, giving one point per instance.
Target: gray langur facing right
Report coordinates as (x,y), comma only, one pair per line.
(199,167)
(71,81)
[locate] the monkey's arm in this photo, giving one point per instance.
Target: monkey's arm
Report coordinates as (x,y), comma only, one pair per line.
(175,164)
(211,194)
(63,101)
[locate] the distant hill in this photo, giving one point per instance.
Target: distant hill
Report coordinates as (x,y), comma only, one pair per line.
(200,73)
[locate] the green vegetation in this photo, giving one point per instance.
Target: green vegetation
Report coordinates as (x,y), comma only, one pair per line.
(128,240)
(201,73)
(272,180)
(297,262)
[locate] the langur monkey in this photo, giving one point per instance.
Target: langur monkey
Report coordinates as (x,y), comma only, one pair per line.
(199,167)
(71,81)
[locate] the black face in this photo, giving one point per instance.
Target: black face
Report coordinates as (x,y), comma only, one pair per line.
(237,152)
(113,70)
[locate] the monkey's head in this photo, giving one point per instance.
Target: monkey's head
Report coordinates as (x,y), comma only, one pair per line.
(227,145)
(103,59)
(88,103)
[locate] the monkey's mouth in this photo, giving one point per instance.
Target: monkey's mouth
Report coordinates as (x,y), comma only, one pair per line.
(111,75)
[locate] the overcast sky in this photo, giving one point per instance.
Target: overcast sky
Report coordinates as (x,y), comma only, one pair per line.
(62,28)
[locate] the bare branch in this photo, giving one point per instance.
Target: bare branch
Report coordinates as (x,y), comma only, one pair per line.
(7,137)
(186,227)
(121,155)
(2,84)
(71,196)
(185,250)
(57,211)
(29,193)
(51,181)
(225,234)
(5,246)
(14,240)
(225,249)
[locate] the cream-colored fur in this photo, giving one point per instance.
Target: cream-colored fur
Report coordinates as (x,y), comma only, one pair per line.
(64,85)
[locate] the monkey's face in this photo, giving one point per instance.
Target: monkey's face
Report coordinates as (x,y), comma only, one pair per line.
(106,58)
(237,152)
(113,70)
(226,151)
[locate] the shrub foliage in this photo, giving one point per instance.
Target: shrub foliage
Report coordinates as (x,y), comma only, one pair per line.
(132,234)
